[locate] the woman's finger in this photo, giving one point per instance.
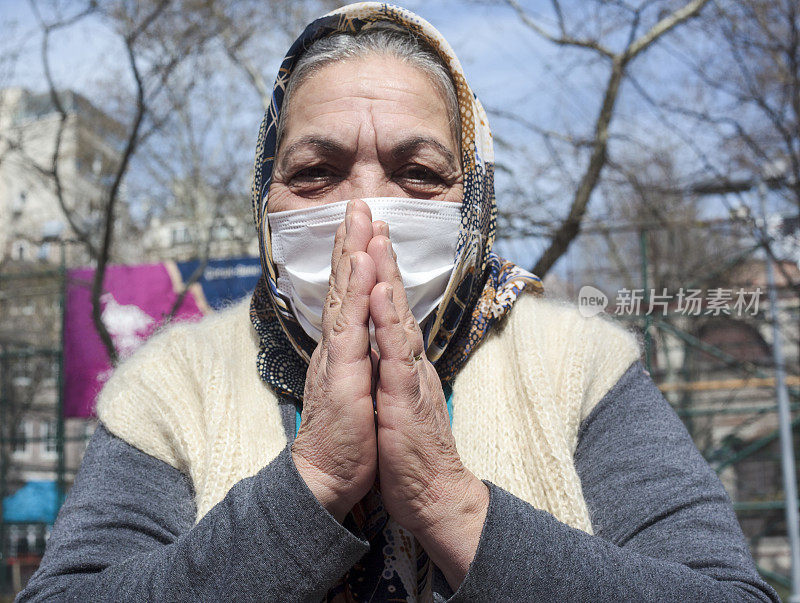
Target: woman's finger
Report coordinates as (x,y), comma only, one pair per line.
(357,232)
(348,339)
(399,375)
(337,282)
(333,302)
(338,243)
(358,227)
(380,249)
(380,228)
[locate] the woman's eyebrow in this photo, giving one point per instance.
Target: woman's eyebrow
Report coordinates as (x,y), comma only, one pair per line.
(322,144)
(411,145)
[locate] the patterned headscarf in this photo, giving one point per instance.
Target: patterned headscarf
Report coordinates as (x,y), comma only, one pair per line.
(481,290)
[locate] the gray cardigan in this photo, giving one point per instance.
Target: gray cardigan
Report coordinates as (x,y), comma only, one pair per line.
(664,528)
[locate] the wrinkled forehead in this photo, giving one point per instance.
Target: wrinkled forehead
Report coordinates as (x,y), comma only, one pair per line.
(375,100)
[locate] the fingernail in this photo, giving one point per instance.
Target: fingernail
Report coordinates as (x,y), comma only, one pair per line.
(390,295)
(347,220)
(353,263)
(390,247)
(383,228)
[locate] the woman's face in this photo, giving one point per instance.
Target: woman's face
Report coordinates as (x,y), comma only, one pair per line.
(373,127)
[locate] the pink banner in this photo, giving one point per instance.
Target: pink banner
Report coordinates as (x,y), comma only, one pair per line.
(135,303)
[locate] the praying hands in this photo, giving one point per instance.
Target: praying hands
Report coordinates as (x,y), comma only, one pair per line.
(345,443)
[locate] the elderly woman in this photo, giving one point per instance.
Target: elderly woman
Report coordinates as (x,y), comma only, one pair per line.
(396,415)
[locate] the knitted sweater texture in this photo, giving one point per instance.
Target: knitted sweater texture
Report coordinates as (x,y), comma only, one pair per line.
(192,398)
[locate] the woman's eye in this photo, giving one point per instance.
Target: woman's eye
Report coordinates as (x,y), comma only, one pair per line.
(419,173)
(313,180)
(313,174)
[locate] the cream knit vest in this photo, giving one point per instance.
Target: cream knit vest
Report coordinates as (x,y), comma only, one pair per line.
(192,397)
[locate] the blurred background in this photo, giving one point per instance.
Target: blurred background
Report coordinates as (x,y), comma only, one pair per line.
(647,163)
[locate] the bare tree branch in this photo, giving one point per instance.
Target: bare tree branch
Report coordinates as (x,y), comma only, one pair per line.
(570,227)
(113,194)
(55,97)
(563,39)
(254,76)
(666,24)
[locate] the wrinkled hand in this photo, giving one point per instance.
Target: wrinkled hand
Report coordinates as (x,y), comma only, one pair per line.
(424,485)
(336,451)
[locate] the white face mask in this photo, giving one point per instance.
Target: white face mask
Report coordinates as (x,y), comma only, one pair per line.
(424,234)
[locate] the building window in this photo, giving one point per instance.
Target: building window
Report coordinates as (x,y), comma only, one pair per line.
(18,206)
(50,442)
(19,250)
(22,439)
(180,235)
(221,232)
(44,252)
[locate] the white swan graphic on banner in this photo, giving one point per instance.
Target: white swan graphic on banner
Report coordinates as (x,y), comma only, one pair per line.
(127,324)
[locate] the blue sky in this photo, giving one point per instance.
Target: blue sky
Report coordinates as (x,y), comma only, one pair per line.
(503,61)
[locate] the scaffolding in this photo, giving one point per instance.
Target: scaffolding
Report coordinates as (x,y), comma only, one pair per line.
(728,394)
